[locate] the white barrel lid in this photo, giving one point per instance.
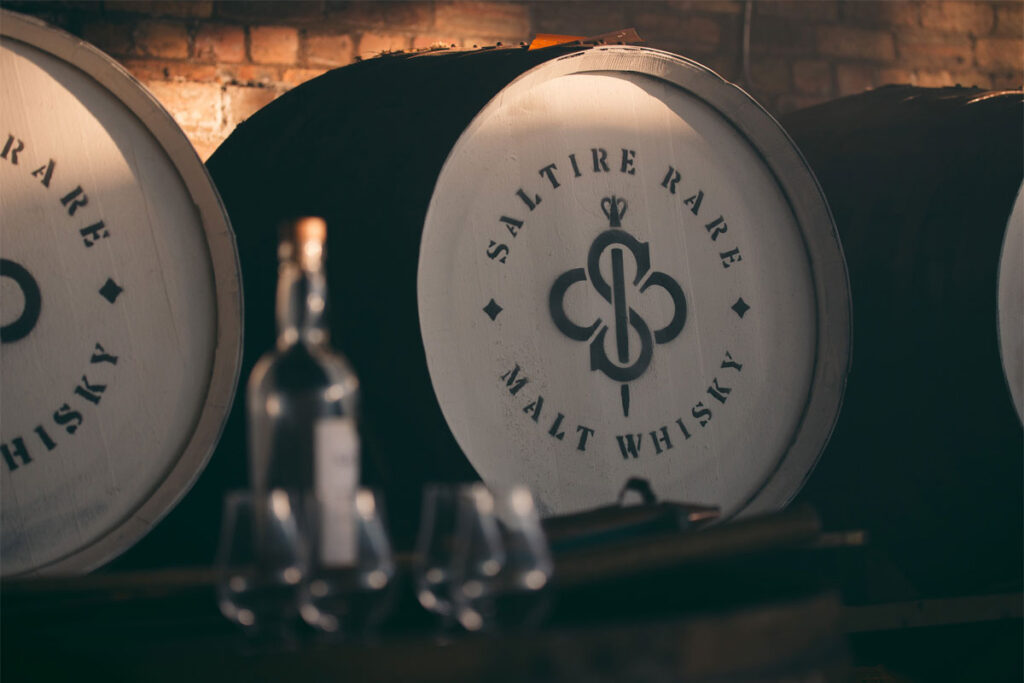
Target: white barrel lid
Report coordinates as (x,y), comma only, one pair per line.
(120,305)
(628,270)
(1011,304)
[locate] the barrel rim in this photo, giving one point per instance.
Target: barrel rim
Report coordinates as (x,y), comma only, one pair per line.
(1012,240)
(807,201)
(224,261)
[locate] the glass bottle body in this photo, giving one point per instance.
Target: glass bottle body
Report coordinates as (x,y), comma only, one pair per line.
(302,396)
(298,399)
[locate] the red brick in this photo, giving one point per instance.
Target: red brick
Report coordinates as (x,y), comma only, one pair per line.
(242,102)
(161,70)
(896,75)
(220,43)
(1007,81)
(505,41)
(329,50)
(112,38)
(428,41)
(944,78)
(940,78)
(372,44)
(854,78)
(843,41)
(680,32)
(202,73)
(1000,53)
(263,12)
(882,13)
(474,43)
(714,6)
(788,103)
(1010,18)
(273,44)
(800,10)
(972,79)
(251,74)
(293,77)
(194,9)
(483,18)
(168,40)
(567,19)
(147,69)
(389,16)
(777,36)
(930,50)
(772,75)
(812,77)
(974,18)
(727,65)
(933,79)
(195,106)
(205,146)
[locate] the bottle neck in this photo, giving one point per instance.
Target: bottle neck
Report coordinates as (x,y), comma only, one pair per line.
(301,304)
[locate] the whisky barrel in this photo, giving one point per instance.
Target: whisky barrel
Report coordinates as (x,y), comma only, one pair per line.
(927,453)
(1011,304)
(121,306)
(565,267)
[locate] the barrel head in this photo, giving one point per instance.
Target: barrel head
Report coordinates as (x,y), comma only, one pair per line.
(627,270)
(121,317)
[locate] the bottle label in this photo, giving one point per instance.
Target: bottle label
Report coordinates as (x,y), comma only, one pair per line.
(336,453)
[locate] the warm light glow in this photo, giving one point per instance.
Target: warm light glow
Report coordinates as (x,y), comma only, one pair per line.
(312,250)
(366,504)
(280,505)
(377,579)
(310,614)
(273,406)
(427,599)
(471,620)
(535,579)
(483,499)
(521,501)
(335,392)
(292,575)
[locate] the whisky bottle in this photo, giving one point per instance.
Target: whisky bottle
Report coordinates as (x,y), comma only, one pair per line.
(302,398)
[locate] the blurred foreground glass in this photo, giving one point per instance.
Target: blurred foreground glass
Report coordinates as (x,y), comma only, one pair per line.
(258,573)
(435,545)
(501,566)
(348,587)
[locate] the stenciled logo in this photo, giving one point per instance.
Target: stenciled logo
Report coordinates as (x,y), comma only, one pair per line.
(18,328)
(630,363)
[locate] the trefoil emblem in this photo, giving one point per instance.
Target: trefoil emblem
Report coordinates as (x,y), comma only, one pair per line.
(630,362)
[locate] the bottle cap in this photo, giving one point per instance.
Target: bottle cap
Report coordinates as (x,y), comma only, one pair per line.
(310,229)
(303,239)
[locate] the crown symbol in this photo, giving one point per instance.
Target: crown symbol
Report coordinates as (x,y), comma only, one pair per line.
(614,208)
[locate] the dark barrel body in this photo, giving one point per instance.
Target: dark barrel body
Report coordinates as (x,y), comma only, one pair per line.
(361,146)
(402,156)
(927,453)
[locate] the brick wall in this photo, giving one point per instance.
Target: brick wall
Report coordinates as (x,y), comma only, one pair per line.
(213,64)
